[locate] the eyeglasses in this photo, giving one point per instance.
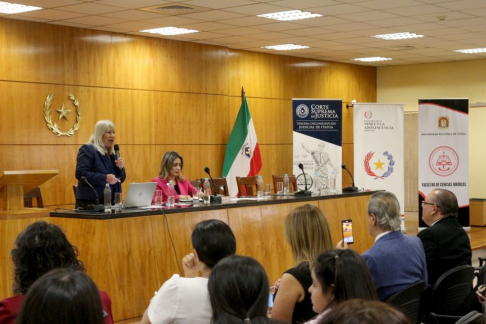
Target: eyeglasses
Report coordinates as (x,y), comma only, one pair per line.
(426,203)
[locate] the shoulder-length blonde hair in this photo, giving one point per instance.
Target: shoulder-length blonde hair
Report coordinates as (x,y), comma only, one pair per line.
(167,163)
(307,231)
(96,138)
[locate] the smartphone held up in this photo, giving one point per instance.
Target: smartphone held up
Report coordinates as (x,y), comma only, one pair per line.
(347,226)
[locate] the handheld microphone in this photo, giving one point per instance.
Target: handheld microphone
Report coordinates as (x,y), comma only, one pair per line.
(353,188)
(117,151)
(96,207)
(215,198)
(304,192)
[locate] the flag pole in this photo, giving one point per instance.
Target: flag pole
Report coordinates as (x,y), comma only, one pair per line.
(242,94)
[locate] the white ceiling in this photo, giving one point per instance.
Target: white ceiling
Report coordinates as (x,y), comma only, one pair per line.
(341,35)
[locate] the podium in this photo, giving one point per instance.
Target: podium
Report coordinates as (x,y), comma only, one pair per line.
(13,185)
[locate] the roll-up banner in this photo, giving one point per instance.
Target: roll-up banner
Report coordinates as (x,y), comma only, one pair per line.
(443,151)
(378,148)
(317,141)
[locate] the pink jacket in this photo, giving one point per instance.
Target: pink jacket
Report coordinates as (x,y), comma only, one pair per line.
(185,187)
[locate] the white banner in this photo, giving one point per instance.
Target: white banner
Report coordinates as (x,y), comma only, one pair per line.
(378,148)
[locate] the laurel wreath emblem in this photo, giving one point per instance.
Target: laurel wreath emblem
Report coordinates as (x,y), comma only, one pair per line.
(370,172)
(54,127)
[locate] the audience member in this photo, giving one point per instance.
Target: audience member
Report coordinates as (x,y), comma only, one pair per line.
(62,296)
(39,249)
(395,260)
(339,275)
(238,290)
(358,311)
(186,300)
(307,231)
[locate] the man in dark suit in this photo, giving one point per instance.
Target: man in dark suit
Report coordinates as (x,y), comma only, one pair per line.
(445,242)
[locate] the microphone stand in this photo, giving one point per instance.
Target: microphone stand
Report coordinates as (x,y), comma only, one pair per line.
(214,198)
(353,188)
(304,192)
(97,207)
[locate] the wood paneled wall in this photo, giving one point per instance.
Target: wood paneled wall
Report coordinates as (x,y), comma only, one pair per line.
(161,94)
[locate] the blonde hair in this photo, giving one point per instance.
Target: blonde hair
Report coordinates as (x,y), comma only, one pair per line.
(167,163)
(307,231)
(96,138)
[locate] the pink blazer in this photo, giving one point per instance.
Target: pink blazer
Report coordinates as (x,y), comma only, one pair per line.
(185,187)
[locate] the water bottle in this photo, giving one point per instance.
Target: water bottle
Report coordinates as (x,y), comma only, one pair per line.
(286,184)
(260,187)
(170,194)
(332,183)
(207,191)
(107,197)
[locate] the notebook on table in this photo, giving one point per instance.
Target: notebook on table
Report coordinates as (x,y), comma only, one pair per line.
(139,195)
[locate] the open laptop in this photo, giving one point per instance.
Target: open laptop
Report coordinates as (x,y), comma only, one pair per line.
(139,194)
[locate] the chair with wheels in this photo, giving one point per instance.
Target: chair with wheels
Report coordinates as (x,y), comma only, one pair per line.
(408,300)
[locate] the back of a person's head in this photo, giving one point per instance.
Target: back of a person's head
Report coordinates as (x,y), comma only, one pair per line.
(358,311)
(213,240)
(62,296)
(39,249)
(238,290)
(345,274)
(447,202)
(385,206)
(307,231)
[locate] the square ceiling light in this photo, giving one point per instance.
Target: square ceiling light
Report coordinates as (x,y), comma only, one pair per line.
(285,47)
(398,36)
(471,51)
(14,8)
(372,59)
(170,31)
(290,15)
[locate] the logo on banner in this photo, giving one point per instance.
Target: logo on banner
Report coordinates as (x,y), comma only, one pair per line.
(378,165)
(302,111)
(443,122)
(368,114)
(443,161)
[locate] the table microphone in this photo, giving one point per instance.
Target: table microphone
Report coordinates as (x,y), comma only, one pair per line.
(215,198)
(353,188)
(96,207)
(304,192)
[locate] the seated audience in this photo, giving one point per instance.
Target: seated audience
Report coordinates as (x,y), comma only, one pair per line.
(62,296)
(307,231)
(238,290)
(395,260)
(186,300)
(339,275)
(39,249)
(358,311)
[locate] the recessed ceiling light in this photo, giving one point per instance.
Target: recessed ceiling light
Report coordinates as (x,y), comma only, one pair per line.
(290,15)
(372,59)
(398,36)
(285,47)
(170,31)
(472,51)
(13,8)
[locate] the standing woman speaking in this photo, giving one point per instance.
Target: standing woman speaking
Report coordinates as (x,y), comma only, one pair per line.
(97,165)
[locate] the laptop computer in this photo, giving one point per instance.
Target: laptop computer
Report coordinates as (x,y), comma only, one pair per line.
(139,194)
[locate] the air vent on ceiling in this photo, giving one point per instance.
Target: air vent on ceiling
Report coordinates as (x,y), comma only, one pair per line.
(174,10)
(404,48)
(174,7)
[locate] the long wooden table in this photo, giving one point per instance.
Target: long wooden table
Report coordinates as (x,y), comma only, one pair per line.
(132,253)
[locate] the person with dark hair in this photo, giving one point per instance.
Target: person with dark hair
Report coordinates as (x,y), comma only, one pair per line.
(239,296)
(358,311)
(62,296)
(186,300)
(39,249)
(339,275)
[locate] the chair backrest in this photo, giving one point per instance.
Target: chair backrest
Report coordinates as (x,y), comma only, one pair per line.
(279,178)
(473,317)
(75,188)
(34,194)
(451,289)
(221,185)
(408,300)
(196,183)
(247,183)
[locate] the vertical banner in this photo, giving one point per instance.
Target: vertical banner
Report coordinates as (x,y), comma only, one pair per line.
(317,141)
(443,151)
(378,148)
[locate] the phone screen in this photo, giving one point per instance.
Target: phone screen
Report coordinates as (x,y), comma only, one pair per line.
(347,231)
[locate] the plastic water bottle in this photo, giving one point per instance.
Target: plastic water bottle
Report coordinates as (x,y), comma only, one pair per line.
(207,191)
(171,194)
(107,198)
(260,187)
(286,184)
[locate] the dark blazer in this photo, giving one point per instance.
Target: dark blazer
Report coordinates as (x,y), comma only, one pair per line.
(446,246)
(94,166)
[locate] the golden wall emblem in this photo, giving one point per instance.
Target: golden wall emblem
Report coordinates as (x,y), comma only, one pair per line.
(62,114)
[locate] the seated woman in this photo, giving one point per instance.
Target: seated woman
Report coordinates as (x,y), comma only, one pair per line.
(170,170)
(186,300)
(307,231)
(62,296)
(238,290)
(339,275)
(39,249)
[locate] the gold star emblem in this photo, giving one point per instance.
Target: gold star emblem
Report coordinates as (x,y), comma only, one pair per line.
(379,164)
(63,112)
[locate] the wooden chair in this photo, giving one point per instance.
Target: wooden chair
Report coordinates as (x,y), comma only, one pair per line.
(221,185)
(408,300)
(196,183)
(34,194)
(247,186)
(279,178)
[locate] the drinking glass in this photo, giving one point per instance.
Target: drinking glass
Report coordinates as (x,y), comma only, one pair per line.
(268,191)
(279,188)
(158,198)
(118,201)
(195,196)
